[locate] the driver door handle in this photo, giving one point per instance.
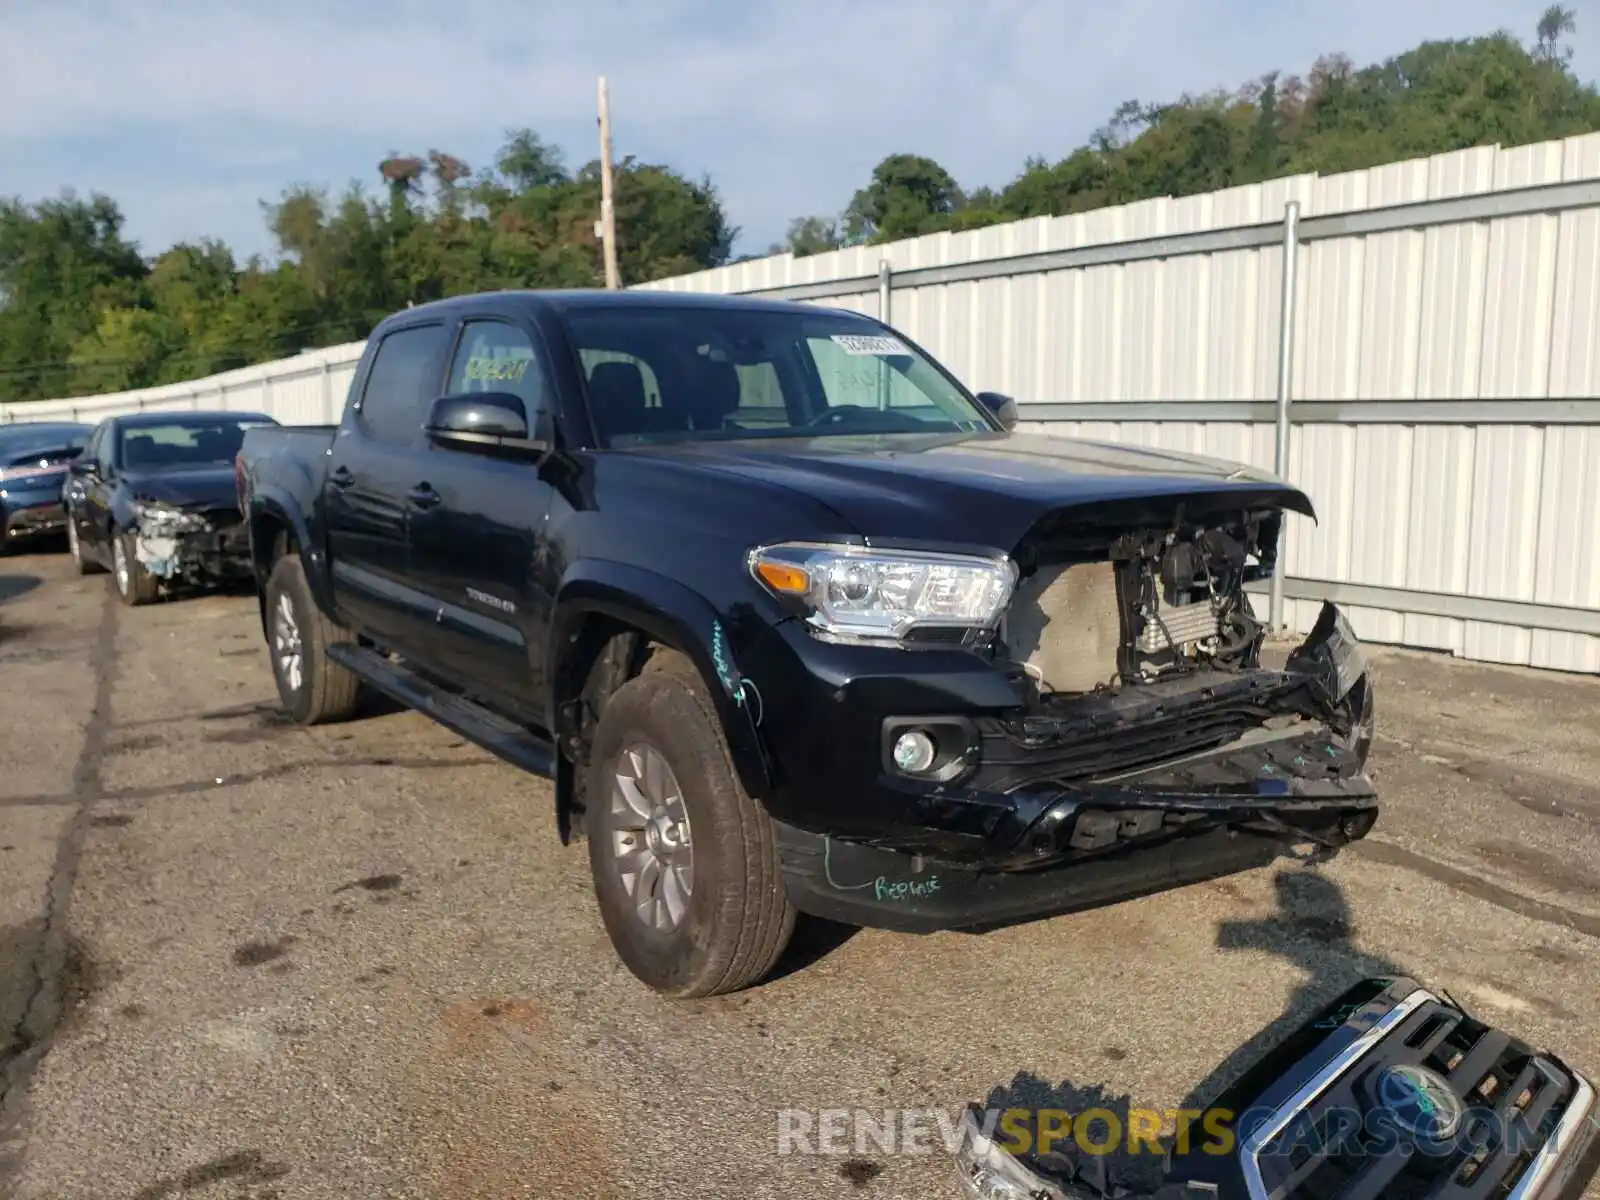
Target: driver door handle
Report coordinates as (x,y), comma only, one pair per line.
(341,477)
(423,496)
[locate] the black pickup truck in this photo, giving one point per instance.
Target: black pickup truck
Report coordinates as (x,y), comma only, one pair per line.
(797,623)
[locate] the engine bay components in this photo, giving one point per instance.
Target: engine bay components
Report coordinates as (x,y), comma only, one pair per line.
(1138,606)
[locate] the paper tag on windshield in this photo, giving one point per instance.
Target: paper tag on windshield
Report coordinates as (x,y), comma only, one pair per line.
(857,343)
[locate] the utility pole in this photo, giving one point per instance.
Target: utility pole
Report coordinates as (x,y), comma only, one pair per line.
(608,220)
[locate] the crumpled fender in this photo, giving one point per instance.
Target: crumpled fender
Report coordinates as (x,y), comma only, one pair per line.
(677,616)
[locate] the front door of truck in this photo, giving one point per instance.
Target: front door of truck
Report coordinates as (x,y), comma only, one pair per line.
(477,532)
(369,471)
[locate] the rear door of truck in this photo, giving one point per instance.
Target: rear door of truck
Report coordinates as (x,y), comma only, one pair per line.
(371,468)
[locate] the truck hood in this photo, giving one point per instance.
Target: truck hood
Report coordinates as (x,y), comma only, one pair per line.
(984,489)
(187,487)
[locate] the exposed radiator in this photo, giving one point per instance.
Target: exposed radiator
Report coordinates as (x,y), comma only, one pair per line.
(1065,625)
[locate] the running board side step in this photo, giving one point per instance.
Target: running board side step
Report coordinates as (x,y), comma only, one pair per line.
(477,724)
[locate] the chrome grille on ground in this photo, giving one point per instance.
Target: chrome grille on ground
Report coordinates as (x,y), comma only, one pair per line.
(1517,1109)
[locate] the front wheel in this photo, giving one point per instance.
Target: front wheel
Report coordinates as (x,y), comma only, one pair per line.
(135,585)
(312,687)
(685,863)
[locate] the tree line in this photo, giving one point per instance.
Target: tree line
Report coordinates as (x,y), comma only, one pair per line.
(83,311)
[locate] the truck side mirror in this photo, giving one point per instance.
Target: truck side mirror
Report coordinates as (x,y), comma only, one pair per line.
(1003,408)
(487,422)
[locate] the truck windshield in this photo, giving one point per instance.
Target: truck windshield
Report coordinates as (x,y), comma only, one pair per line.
(701,373)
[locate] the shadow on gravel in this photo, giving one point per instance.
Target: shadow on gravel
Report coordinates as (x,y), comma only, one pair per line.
(814,939)
(19,954)
(12,586)
(1312,929)
(65,1000)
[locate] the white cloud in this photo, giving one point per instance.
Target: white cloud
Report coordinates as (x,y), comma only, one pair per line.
(188,111)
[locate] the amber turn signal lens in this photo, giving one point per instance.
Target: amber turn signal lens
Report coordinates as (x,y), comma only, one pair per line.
(781,577)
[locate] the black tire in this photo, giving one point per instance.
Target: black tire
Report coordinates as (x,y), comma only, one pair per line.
(80,563)
(324,690)
(135,586)
(738,919)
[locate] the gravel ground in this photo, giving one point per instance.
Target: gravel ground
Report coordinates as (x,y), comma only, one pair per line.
(356,961)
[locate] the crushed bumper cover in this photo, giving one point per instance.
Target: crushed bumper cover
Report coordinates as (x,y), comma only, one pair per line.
(195,556)
(1260,762)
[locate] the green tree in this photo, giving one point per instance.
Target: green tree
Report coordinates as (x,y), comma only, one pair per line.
(810,235)
(62,262)
(1437,97)
(908,195)
(1555,23)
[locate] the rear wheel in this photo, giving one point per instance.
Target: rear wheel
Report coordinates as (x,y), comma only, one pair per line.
(685,863)
(312,687)
(134,584)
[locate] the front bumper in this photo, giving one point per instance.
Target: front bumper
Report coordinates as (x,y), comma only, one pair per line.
(220,552)
(28,513)
(1054,808)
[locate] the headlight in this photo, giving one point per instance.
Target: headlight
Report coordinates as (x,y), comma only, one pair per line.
(852,592)
(989,1172)
(164,518)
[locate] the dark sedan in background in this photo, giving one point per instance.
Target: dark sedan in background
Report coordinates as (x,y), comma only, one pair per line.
(34,456)
(153,499)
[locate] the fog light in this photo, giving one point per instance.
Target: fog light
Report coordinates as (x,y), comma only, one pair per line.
(914,752)
(1357,826)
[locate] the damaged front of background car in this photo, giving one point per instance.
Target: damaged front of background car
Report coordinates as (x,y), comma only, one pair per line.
(178,545)
(154,498)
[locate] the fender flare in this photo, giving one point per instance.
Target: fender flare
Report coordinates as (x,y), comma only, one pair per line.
(277,504)
(671,613)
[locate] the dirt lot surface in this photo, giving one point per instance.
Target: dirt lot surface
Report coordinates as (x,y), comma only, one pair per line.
(240,959)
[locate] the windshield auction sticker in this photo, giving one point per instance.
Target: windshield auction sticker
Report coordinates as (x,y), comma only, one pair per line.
(855,343)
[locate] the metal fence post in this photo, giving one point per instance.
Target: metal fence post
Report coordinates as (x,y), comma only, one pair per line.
(1286,322)
(885,288)
(327,392)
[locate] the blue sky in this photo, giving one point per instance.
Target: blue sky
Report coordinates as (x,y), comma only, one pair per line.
(190,113)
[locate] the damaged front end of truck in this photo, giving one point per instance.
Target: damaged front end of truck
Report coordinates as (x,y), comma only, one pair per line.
(1109,727)
(1146,698)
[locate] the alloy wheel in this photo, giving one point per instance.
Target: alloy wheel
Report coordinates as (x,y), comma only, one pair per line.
(119,561)
(286,645)
(650,838)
